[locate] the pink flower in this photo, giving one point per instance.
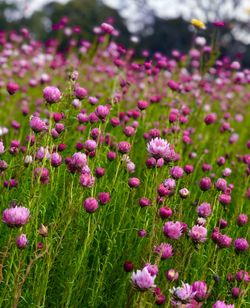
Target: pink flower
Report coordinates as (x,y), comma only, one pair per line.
(164,250)
(143,279)
(158,147)
(198,234)
(51,94)
(16,216)
(22,241)
(182,295)
(87,180)
(37,124)
(221,304)
(1,147)
(172,229)
(200,289)
(204,210)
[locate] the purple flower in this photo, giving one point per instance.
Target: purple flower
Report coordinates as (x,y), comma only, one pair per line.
(172,229)
(205,183)
(204,210)
(170,183)
(16,216)
(221,184)
(241,244)
(102,112)
(200,289)
(221,304)
(176,172)
(107,28)
(158,148)
(56,159)
(164,250)
(22,241)
(87,180)
(182,295)
(143,279)
(1,147)
(124,147)
(42,174)
(152,268)
(80,92)
(51,94)
(90,204)
(198,234)
(242,219)
(37,124)
(224,240)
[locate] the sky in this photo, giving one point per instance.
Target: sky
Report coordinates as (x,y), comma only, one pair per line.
(163,9)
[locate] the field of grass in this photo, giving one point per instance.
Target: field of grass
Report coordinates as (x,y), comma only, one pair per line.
(77,253)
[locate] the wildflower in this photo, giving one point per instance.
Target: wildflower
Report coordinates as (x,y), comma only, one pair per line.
(22,241)
(184,192)
(142,233)
(152,268)
(221,304)
(198,234)
(198,24)
(205,183)
(1,147)
(107,28)
(16,216)
(144,202)
(242,220)
(165,212)
(12,87)
(143,279)
(172,229)
(43,230)
(224,241)
(172,275)
(42,174)
(204,210)
(128,266)
(181,295)
(80,92)
(158,148)
(242,275)
(176,172)
(104,197)
(164,250)
(241,244)
(56,159)
(102,112)
(87,180)
(236,292)
(225,199)
(90,204)
(124,147)
(51,94)
(37,124)
(200,289)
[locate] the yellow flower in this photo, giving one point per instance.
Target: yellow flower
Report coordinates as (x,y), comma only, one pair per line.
(198,24)
(247,10)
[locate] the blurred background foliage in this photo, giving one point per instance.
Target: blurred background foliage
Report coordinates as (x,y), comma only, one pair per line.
(143,28)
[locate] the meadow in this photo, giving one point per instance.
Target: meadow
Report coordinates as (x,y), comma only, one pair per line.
(124,181)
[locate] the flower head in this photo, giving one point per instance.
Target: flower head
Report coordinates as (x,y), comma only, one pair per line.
(198,234)
(164,250)
(16,216)
(143,279)
(158,148)
(197,23)
(172,229)
(182,295)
